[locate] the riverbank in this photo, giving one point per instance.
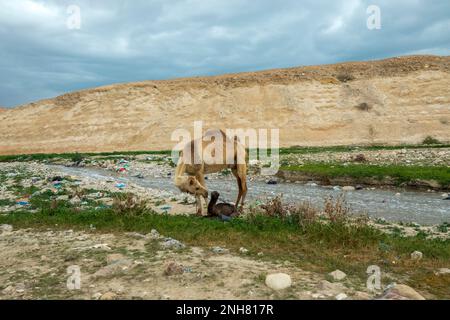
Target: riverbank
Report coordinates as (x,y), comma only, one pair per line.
(61,211)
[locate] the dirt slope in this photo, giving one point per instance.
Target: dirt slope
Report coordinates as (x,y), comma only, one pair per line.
(398,100)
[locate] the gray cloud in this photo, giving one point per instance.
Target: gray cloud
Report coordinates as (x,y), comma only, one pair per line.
(121,41)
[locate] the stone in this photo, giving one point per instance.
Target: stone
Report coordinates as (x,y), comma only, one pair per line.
(173,268)
(219,250)
(6,228)
(400,292)
(359,295)
(136,235)
(278,281)
(154,234)
(348,188)
(243,250)
(416,255)
(108,296)
(63,198)
(443,271)
(329,288)
(8,290)
(272,182)
(359,187)
(337,275)
(96,296)
(75,201)
(341,296)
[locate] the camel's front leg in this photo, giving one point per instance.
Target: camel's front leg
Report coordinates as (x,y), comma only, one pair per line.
(198,205)
(201,179)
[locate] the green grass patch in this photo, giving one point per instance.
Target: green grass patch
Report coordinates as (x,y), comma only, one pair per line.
(304,150)
(74,156)
(400,173)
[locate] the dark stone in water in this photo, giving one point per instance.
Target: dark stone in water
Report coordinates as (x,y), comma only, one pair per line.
(359,187)
(272,182)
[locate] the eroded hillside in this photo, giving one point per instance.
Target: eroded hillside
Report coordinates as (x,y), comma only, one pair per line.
(398,100)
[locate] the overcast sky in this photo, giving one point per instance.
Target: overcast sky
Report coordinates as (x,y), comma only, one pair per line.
(122,41)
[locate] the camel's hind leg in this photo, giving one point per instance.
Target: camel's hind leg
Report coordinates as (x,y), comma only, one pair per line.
(244,189)
(238,179)
(241,177)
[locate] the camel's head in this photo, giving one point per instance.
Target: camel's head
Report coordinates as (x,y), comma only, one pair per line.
(192,186)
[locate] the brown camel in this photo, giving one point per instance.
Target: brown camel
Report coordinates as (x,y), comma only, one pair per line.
(203,156)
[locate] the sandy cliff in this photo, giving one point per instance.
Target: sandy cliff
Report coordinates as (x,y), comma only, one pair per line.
(398,100)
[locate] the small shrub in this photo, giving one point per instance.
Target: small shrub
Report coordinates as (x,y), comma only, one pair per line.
(77,157)
(443,227)
(363,106)
(345,77)
(430,140)
(360,158)
(305,213)
(128,204)
(275,208)
(336,210)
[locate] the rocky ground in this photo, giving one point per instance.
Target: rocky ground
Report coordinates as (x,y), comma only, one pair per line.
(406,157)
(38,265)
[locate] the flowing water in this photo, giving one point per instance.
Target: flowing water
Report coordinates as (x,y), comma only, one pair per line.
(410,206)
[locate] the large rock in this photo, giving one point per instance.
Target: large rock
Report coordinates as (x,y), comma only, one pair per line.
(278,281)
(401,292)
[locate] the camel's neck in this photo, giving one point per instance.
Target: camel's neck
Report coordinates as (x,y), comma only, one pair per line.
(179,172)
(211,204)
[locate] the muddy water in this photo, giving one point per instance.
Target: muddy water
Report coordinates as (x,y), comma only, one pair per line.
(420,207)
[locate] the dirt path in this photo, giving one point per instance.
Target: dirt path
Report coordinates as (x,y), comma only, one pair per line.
(34,264)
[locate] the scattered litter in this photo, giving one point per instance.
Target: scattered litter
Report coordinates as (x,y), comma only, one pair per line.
(22,202)
(165,208)
(170,243)
(120,185)
(225,218)
(219,250)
